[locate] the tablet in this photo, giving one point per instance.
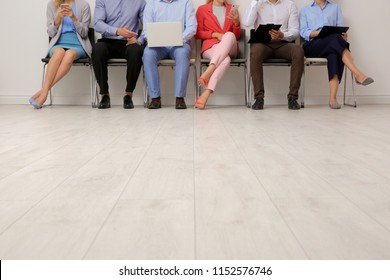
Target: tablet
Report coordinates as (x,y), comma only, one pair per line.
(261,35)
(329,30)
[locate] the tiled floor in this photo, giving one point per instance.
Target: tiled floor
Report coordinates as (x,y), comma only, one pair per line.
(224,183)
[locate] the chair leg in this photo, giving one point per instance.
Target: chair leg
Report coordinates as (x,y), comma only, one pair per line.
(196,88)
(246,84)
(145,90)
(303,84)
(353,90)
(93,92)
(199,87)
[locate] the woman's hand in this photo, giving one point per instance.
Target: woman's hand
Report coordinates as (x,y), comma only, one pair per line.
(217,35)
(314,33)
(234,16)
(64,11)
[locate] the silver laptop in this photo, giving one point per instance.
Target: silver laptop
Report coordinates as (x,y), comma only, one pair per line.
(164,34)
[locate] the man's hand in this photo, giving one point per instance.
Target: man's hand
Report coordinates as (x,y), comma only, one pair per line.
(276,35)
(125,32)
(132,40)
(345,36)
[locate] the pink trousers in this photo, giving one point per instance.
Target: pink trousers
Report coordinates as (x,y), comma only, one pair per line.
(220,55)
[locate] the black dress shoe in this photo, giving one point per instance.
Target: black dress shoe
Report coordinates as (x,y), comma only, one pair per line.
(180,103)
(128,102)
(105,102)
(293,104)
(259,103)
(155,103)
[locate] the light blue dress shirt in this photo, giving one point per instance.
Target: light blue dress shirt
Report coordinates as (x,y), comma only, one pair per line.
(174,10)
(314,18)
(113,14)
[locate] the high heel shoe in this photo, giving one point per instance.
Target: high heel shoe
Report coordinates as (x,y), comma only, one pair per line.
(34,103)
(202,81)
(366,81)
(199,104)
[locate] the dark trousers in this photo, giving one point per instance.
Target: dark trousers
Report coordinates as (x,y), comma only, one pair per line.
(105,49)
(330,47)
(291,52)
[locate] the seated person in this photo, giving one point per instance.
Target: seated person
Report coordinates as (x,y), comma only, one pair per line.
(285,13)
(67,26)
(167,11)
(333,47)
(219,28)
(118,21)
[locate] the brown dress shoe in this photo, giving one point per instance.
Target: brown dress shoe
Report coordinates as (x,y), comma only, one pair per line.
(180,103)
(155,103)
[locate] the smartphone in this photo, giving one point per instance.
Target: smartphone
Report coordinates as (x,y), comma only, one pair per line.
(64,6)
(235,7)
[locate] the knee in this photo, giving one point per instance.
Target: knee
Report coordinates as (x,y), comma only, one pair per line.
(229,36)
(182,53)
(256,53)
(58,53)
(149,56)
(134,52)
(99,50)
(338,40)
(70,56)
(298,53)
(68,59)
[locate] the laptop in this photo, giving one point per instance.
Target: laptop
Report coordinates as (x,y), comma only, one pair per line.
(261,35)
(164,34)
(329,30)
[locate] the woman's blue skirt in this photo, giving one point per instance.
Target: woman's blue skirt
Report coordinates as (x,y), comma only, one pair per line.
(68,41)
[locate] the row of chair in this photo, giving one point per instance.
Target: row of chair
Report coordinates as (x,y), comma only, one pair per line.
(240,61)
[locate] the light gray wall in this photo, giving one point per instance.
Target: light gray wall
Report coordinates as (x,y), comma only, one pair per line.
(24,42)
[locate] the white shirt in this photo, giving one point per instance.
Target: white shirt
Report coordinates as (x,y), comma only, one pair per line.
(283,12)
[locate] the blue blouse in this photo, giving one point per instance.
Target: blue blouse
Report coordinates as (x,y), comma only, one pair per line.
(313,18)
(67,23)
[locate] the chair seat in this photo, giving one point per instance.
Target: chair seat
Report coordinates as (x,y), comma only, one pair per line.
(81,60)
(312,60)
(276,60)
(172,62)
(233,61)
(117,61)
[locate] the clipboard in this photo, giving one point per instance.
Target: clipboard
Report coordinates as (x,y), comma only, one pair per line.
(329,30)
(261,34)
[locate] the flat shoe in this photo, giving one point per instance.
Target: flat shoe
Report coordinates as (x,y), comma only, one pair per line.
(366,82)
(335,106)
(34,103)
